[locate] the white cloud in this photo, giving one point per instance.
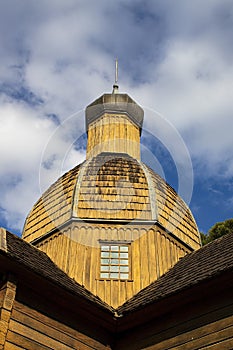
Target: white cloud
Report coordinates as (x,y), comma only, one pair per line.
(22,135)
(28,140)
(174,57)
(193,90)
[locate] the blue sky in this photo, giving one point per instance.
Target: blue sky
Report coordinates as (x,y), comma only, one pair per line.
(175,60)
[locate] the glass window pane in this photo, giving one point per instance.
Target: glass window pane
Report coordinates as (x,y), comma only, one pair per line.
(105,247)
(114,275)
(105,261)
(104,275)
(124,269)
(104,254)
(114,261)
(124,261)
(114,255)
(104,268)
(124,276)
(114,248)
(124,255)
(124,248)
(114,268)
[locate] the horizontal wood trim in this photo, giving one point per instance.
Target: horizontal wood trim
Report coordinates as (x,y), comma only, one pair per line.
(213,333)
(201,315)
(113,223)
(20,341)
(12,346)
(44,325)
(48,329)
(224,345)
(35,335)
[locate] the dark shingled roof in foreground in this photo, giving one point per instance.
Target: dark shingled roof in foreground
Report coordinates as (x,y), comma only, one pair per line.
(203,264)
(206,263)
(37,261)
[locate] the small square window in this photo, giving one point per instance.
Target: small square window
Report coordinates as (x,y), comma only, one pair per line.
(114,261)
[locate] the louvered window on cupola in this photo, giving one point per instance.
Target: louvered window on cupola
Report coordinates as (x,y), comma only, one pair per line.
(114,261)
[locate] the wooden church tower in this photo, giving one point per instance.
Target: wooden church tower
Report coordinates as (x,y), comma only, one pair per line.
(111,223)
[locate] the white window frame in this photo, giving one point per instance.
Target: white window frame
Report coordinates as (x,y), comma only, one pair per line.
(115,259)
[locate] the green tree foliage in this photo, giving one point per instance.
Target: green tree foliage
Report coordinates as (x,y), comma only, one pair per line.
(203,238)
(218,230)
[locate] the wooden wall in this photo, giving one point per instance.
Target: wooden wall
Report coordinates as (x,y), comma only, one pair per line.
(77,252)
(217,335)
(214,336)
(205,324)
(188,323)
(113,133)
(32,330)
(7,297)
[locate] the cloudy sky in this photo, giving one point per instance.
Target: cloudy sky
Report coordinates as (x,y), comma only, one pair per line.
(175,60)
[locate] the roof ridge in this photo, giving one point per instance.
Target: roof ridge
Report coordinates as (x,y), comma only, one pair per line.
(174,278)
(71,285)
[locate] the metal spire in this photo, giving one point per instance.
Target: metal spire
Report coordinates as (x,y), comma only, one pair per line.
(116,71)
(115,85)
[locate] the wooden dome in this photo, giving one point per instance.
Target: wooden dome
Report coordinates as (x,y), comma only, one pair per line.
(113,187)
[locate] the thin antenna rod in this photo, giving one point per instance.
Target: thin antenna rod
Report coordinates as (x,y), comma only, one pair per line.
(115,86)
(116,71)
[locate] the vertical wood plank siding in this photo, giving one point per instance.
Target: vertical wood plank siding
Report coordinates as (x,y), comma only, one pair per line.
(113,134)
(153,252)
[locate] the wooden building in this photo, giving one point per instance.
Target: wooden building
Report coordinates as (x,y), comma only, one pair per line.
(122,223)
(189,307)
(111,258)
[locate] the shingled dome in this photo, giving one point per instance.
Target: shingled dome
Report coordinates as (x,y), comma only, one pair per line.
(111,186)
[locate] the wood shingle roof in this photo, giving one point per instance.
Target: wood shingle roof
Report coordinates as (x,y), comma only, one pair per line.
(33,259)
(205,264)
(112,186)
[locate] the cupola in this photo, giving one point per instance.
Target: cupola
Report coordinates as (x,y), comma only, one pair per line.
(112,223)
(113,124)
